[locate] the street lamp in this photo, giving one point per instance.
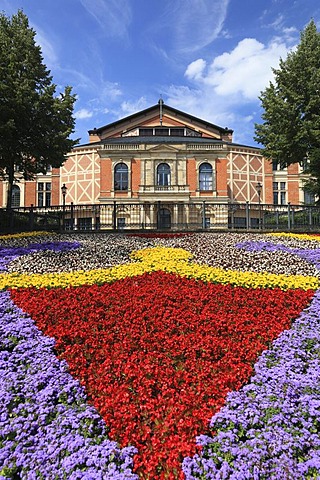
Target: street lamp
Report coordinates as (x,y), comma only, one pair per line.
(259,190)
(64,192)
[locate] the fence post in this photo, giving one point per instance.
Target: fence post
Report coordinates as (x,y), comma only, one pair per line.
(114,216)
(158,215)
(310,218)
(289,219)
(247,215)
(31,218)
(71,216)
(204,215)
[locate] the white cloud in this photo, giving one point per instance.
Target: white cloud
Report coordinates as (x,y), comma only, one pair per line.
(195,69)
(113,16)
(225,91)
(198,22)
(186,26)
(48,52)
(82,114)
(245,71)
(127,108)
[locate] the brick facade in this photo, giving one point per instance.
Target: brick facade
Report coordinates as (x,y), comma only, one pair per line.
(169,156)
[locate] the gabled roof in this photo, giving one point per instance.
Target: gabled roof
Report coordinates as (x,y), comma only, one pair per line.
(142,116)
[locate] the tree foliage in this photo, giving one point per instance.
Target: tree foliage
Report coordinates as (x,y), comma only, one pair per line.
(291,129)
(35,121)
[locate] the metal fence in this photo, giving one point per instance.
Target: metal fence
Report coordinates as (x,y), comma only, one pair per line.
(162,216)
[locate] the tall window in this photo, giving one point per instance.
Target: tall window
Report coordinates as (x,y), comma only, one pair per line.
(15,199)
(205,177)
(163,174)
(279,193)
(309,198)
(44,194)
(121,177)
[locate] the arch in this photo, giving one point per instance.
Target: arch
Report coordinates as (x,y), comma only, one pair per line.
(163,174)
(121,176)
(205,177)
(164,219)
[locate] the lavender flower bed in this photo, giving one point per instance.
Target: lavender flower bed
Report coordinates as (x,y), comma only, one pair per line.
(310,255)
(47,430)
(9,253)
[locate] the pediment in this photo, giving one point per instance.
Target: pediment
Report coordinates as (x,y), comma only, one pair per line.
(163,148)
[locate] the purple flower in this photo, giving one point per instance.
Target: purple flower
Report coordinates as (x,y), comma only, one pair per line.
(7,253)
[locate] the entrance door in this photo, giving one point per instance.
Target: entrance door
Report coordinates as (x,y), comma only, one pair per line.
(164,222)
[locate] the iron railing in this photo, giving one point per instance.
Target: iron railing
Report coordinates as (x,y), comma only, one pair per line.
(162,216)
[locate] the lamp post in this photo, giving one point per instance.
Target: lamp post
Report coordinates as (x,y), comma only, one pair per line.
(63,192)
(259,190)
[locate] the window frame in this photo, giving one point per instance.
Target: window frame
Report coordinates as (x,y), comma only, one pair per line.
(15,196)
(279,193)
(121,177)
(164,176)
(206,177)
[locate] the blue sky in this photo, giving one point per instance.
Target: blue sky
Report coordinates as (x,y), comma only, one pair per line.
(209,58)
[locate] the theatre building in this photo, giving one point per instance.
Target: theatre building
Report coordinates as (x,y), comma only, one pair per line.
(160,168)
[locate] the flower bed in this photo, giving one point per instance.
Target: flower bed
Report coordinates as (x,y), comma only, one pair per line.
(157,343)
(158,374)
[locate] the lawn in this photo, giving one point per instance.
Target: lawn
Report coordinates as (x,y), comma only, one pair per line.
(189,356)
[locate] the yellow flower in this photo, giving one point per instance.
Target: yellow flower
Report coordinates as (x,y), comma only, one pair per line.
(172,260)
(299,236)
(24,234)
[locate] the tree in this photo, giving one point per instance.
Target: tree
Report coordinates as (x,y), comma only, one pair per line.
(35,121)
(291,129)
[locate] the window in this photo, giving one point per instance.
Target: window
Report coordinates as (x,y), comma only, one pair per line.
(85,223)
(279,193)
(177,132)
(146,132)
(121,177)
(44,194)
(309,198)
(163,174)
(168,131)
(162,131)
(277,166)
(15,199)
(205,177)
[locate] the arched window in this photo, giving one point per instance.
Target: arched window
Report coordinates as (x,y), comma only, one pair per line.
(205,177)
(121,177)
(163,174)
(15,200)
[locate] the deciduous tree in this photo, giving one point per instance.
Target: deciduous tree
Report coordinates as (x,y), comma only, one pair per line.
(290,132)
(35,121)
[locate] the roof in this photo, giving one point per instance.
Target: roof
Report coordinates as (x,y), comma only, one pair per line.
(136,140)
(149,110)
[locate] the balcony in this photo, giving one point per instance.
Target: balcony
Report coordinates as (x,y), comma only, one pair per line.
(163,188)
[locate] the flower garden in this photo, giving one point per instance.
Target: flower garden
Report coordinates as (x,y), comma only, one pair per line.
(173,356)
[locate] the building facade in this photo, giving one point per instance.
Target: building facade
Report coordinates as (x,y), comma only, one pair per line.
(161,165)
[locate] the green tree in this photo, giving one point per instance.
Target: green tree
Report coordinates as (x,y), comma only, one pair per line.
(290,132)
(35,121)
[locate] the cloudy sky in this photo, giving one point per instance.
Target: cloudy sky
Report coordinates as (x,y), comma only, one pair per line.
(209,58)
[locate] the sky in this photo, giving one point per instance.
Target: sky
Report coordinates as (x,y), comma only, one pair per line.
(209,58)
